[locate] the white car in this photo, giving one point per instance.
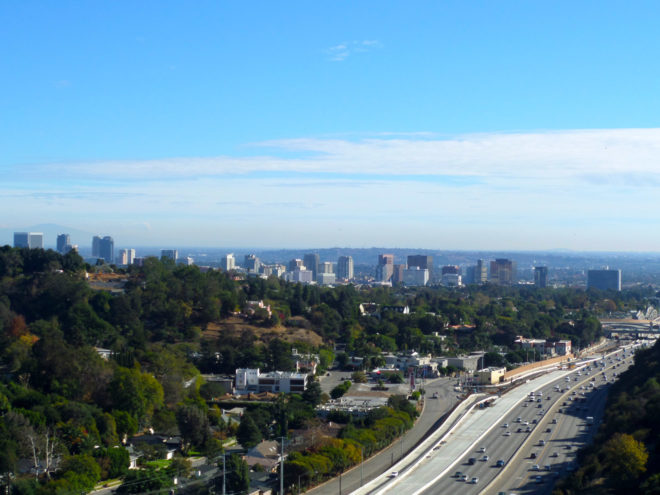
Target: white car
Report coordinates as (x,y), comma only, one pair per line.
(394,474)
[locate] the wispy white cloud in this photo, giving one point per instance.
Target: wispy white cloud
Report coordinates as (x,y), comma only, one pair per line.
(520,188)
(340,52)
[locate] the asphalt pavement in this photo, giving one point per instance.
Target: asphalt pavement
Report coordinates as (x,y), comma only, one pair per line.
(434,409)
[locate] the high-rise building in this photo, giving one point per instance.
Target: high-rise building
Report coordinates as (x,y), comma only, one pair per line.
(63,243)
(297,263)
(385,267)
(22,239)
(345,267)
(251,263)
(541,276)
(397,273)
(36,240)
(605,279)
(415,276)
(96,246)
(421,261)
(503,271)
(126,257)
(311,262)
(228,262)
(107,249)
(326,267)
(481,272)
(171,254)
(451,276)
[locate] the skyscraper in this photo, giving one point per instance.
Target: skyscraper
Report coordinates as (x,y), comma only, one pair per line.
(21,239)
(32,240)
(96,246)
(228,262)
(171,254)
(251,263)
(541,276)
(126,257)
(503,271)
(345,267)
(63,243)
(36,240)
(421,261)
(481,272)
(311,262)
(605,279)
(385,267)
(107,249)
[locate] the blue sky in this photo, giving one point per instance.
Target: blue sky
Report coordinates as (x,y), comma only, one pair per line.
(448,125)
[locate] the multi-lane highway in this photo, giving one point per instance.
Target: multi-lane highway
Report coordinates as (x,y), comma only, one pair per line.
(562,433)
(518,425)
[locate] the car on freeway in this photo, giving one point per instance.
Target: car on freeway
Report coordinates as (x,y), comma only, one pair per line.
(538,479)
(541,443)
(474,480)
(536,467)
(532,455)
(528,429)
(482,449)
(462,477)
(472,460)
(507,433)
(519,430)
(505,425)
(554,421)
(499,463)
(394,474)
(554,454)
(458,474)
(548,430)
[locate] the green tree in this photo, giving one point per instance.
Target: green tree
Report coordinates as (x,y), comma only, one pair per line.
(248,434)
(312,393)
(193,425)
(625,457)
(238,476)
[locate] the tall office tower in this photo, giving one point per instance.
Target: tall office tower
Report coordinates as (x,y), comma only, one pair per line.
(326,267)
(345,267)
(228,262)
(481,272)
(107,249)
(397,273)
(36,240)
(311,262)
(96,246)
(605,279)
(503,271)
(126,257)
(252,263)
(171,254)
(21,239)
(63,243)
(451,276)
(385,267)
(415,276)
(122,257)
(421,261)
(131,256)
(297,263)
(541,276)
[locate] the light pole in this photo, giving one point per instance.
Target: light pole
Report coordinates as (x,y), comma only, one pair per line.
(361,465)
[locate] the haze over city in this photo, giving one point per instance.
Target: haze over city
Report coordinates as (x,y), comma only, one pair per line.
(445,125)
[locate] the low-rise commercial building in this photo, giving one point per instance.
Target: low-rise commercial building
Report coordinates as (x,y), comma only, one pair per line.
(251,380)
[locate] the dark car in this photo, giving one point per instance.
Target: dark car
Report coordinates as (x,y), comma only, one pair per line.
(472,460)
(532,455)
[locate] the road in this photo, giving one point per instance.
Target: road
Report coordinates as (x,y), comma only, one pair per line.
(570,433)
(434,409)
(485,428)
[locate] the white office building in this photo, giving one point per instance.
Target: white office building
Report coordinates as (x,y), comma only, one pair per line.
(415,276)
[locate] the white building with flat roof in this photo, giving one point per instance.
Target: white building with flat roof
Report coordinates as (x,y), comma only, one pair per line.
(251,380)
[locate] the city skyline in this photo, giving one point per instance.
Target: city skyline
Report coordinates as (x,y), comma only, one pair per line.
(453,125)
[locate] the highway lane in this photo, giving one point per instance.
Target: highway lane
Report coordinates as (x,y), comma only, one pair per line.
(571,433)
(501,447)
(434,409)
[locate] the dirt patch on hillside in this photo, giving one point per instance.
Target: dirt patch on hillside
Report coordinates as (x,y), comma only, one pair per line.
(234,327)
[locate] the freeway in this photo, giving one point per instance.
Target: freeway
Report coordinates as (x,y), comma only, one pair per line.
(485,428)
(434,410)
(571,432)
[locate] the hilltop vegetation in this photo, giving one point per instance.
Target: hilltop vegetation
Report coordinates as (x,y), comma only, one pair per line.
(60,399)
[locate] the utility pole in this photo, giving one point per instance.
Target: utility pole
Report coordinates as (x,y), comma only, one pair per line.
(282,468)
(340,483)
(224,491)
